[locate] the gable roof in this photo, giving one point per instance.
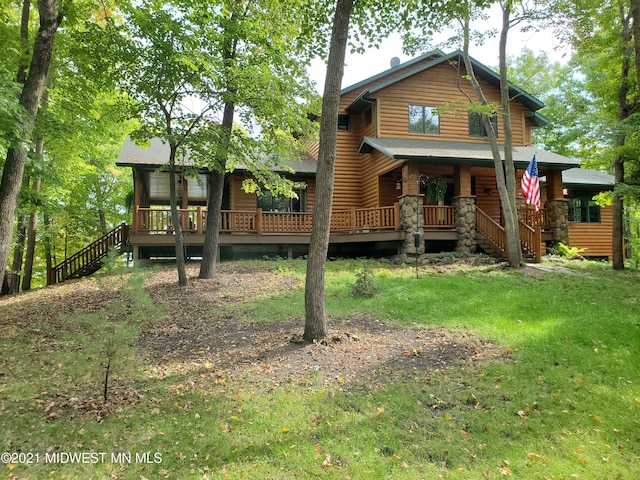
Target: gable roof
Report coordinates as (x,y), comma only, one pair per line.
(433,59)
(454,153)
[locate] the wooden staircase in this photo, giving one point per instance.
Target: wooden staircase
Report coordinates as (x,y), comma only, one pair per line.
(90,258)
(492,238)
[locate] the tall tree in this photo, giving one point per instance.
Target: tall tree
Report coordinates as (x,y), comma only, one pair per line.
(50,19)
(505,169)
(262,83)
(601,34)
(231,59)
(315,327)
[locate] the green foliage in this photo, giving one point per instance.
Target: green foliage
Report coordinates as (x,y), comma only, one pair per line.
(562,250)
(557,397)
(364,286)
(436,189)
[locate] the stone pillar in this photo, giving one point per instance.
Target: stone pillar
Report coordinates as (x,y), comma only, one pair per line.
(465,217)
(559,219)
(411,221)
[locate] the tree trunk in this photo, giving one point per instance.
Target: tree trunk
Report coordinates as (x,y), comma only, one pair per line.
(29,99)
(216,185)
(33,218)
(214,198)
(31,242)
(624,109)
(509,206)
(176,222)
(315,317)
(19,246)
(21,77)
(47,245)
(505,170)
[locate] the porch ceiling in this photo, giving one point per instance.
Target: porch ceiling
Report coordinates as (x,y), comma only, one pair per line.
(460,153)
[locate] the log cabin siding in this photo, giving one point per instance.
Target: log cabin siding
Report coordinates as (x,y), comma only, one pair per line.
(488,203)
(435,87)
(240,200)
(595,238)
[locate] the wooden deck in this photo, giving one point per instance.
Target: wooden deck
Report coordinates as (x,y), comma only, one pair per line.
(152,228)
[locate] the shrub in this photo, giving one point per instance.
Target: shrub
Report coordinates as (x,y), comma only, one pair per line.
(364,286)
(562,250)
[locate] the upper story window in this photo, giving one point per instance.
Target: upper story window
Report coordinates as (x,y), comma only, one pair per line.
(583,208)
(344,122)
(476,125)
(424,119)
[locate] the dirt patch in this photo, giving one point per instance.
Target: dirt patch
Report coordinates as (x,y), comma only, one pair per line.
(197,335)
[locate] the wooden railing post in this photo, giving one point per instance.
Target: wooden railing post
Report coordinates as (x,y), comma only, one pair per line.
(136,219)
(353,220)
(395,211)
(200,219)
(259,221)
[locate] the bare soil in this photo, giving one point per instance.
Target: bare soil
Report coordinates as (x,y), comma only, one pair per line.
(200,332)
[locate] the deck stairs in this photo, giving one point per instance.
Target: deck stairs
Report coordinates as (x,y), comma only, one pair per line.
(90,258)
(492,238)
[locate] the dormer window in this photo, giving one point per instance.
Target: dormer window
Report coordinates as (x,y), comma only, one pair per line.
(476,125)
(424,119)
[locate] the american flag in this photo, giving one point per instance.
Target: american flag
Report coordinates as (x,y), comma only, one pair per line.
(530,184)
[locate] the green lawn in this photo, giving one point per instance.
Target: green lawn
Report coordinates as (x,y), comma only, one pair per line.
(564,404)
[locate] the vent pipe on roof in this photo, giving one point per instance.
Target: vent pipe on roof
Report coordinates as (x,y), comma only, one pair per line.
(395,61)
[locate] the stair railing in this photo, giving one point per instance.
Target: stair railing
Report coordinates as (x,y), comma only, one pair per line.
(492,230)
(90,257)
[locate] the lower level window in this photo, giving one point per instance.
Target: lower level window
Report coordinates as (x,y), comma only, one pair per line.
(583,209)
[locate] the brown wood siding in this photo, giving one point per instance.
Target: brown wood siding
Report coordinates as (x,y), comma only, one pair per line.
(388,193)
(239,199)
(349,97)
(348,171)
(434,87)
(375,165)
(596,238)
(488,203)
(311,194)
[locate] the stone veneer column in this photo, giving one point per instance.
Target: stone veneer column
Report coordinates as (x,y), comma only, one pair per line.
(559,219)
(465,218)
(411,221)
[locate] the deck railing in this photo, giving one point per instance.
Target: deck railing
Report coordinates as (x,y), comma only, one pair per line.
(438,216)
(536,219)
(354,220)
(491,229)
(531,240)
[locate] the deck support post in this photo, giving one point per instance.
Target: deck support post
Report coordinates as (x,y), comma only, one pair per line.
(559,219)
(465,221)
(411,221)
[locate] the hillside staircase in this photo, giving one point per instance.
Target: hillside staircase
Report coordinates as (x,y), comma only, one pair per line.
(492,238)
(90,258)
